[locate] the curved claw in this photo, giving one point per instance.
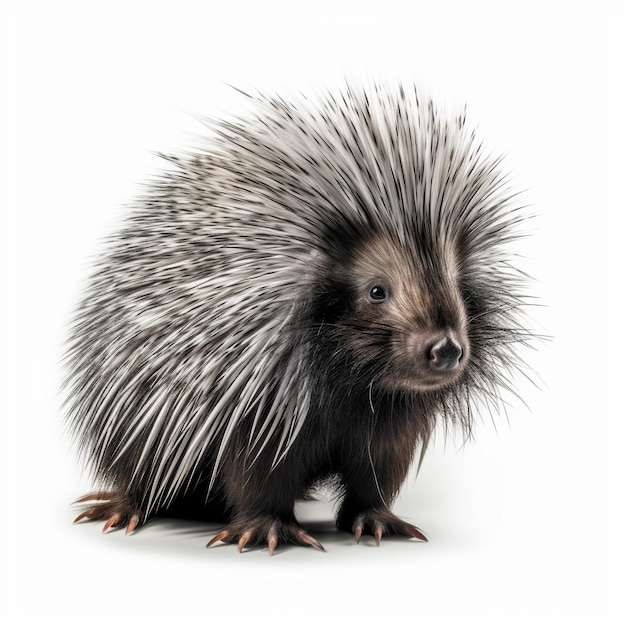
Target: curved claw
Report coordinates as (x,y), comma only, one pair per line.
(272,542)
(219,537)
(243,541)
(83,515)
(134,521)
(416,532)
(311,541)
(358,531)
(96,496)
(378,533)
(112,521)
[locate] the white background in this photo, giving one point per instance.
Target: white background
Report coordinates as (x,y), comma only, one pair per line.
(523,521)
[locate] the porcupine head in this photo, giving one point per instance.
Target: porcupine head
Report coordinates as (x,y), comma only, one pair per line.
(297,302)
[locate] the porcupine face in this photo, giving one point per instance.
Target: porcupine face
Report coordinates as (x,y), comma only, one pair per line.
(403,316)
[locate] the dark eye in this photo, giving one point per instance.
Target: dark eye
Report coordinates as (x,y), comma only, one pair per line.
(377,293)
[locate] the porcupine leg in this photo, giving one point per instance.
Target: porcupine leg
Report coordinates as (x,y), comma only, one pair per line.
(263,510)
(117,509)
(372,481)
(362,513)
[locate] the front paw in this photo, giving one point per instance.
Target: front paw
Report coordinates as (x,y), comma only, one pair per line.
(265,530)
(377,522)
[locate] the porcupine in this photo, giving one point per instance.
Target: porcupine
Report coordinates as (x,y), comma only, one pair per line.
(299,301)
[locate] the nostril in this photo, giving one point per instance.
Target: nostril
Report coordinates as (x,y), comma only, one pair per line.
(446,354)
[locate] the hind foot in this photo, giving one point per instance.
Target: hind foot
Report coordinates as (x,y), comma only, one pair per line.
(265,530)
(377,522)
(116,509)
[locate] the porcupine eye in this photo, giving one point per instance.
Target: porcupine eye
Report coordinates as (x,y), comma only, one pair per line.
(377,293)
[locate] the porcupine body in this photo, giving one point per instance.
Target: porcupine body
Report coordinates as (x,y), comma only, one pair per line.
(299,301)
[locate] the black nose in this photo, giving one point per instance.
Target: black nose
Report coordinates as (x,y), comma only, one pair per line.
(445,354)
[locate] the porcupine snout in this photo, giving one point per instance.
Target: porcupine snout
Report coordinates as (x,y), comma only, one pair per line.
(445,354)
(437,357)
